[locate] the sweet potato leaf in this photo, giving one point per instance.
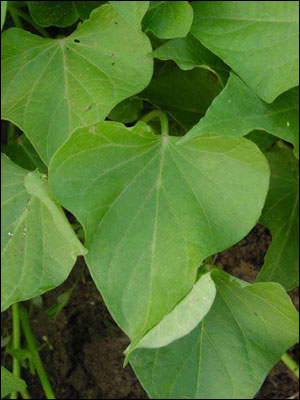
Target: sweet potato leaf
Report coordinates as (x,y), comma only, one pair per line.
(238,110)
(281,216)
(189,53)
(126,111)
(50,87)
(258,39)
(151,217)
(132,11)
(243,335)
(57,13)
(38,245)
(169,19)
(10,383)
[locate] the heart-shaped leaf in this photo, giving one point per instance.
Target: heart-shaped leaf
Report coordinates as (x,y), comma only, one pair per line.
(50,87)
(10,383)
(38,245)
(229,354)
(281,216)
(152,211)
(258,39)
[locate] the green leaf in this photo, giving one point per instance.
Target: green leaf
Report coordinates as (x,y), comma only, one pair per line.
(38,245)
(50,87)
(3,12)
(23,153)
(258,39)
(189,53)
(132,11)
(152,211)
(183,318)
(188,99)
(126,111)
(229,354)
(57,13)
(84,8)
(262,139)
(169,19)
(237,111)
(10,383)
(281,216)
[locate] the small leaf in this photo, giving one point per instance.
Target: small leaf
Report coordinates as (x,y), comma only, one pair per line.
(38,245)
(132,11)
(258,39)
(169,19)
(57,13)
(10,383)
(50,87)
(153,215)
(189,53)
(241,338)
(237,111)
(126,111)
(281,216)
(188,99)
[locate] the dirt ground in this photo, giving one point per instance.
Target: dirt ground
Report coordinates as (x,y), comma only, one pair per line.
(83,347)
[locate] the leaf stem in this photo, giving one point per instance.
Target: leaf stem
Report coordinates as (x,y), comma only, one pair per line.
(164,122)
(291,364)
(21,14)
(15,18)
(16,340)
(35,354)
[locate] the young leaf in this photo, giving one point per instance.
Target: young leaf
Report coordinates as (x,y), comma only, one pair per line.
(184,101)
(126,111)
(281,216)
(237,343)
(10,383)
(258,39)
(57,13)
(38,245)
(3,12)
(237,111)
(169,19)
(132,11)
(189,53)
(153,215)
(50,87)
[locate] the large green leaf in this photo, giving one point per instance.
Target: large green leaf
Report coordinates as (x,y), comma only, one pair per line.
(238,110)
(152,211)
(132,11)
(10,383)
(185,95)
(258,39)
(229,354)
(51,87)
(38,245)
(189,53)
(281,216)
(169,19)
(3,12)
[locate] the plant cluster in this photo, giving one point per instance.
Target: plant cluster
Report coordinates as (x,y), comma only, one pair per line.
(168,129)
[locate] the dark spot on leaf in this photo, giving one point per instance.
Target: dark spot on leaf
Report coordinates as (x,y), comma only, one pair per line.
(116,22)
(113,63)
(255,313)
(88,108)
(76,40)
(67,48)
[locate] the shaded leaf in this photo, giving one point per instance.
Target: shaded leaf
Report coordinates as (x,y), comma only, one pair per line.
(38,245)
(50,87)
(281,216)
(57,13)
(242,337)
(258,39)
(153,215)
(263,139)
(126,111)
(169,19)
(189,53)
(132,11)
(237,111)
(84,8)
(10,383)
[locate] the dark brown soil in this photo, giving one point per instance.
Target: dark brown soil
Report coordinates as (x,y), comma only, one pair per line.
(83,348)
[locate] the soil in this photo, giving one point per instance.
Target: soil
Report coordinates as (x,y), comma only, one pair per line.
(83,347)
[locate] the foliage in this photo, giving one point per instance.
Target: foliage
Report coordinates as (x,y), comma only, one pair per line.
(84,85)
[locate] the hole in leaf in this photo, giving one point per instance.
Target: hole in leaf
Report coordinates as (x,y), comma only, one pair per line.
(76,40)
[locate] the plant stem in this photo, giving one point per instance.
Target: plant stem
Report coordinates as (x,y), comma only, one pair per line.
(164,123)
(291,364)
(10,133)
(15,17)
(21,14)
(25,394)
(16,340)
(35,354)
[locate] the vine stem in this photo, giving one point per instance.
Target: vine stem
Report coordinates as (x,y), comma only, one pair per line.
(16,341)
(16,13)
(291,364)
(36,359)
(164,122)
